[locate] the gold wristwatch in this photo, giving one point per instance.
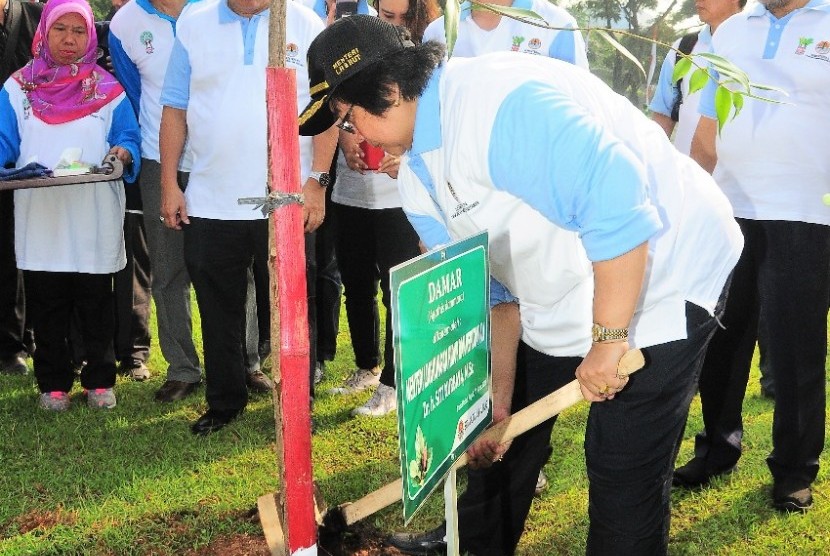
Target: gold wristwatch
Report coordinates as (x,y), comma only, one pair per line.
(600,334)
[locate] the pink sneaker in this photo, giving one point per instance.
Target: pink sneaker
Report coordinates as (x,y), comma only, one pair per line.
(100,398)
(54,401)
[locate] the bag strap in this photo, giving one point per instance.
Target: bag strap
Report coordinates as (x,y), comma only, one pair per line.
(687,44)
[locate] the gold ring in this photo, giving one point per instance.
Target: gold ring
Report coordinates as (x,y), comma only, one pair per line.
(603,391)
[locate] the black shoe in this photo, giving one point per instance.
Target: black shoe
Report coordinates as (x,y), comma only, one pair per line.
(174,390)
(14,365)
(697,473)
(258,381)
(213,420)
(788,496)
(421,544)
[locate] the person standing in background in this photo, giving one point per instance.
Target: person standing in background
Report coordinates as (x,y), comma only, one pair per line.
(18,22)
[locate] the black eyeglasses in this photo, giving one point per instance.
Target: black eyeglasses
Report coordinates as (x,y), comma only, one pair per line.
(345,124)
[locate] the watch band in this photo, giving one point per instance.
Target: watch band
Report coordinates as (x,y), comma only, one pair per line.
(322,178)
(600,334)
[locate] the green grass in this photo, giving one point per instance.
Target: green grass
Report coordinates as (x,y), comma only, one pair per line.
(135,481)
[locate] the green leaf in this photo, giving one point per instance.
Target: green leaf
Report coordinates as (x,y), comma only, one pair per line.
(451,9)
(681,68)
(621,49)
(723,105)
(698,80)
(738,103)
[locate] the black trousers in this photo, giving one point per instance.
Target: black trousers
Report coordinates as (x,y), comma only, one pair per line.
(328,285)
(783,277)
(631,443)
(370,243)
(218,255)
(52,299)
(132,295)
(12,306)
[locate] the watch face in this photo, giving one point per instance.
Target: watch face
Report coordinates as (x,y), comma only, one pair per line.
(324,179)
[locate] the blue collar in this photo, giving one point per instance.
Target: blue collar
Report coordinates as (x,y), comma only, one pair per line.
(227,15)
(148,7)
(819,5)
(466,7)
(427,133)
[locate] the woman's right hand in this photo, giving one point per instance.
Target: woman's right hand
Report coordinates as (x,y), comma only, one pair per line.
(173,207)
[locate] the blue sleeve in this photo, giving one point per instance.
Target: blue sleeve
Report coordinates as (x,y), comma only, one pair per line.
(548,151)
(706,107)
(126,71)
(9,134)
(176,90)
(124,132)
(500,294)
(432,232)
(663,101)
(564,47)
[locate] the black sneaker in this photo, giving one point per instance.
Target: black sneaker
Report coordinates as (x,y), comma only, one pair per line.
(421,544)
(697,474)
(791,497)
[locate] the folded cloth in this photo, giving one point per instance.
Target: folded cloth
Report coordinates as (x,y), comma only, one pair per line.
(31,170)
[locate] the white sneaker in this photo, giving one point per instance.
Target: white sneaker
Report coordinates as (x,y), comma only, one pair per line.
(382,402)
(541,483)
(360,380)
(54,401)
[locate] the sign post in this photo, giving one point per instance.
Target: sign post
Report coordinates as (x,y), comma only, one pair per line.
(441,326)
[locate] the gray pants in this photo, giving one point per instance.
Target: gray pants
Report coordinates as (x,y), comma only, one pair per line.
(171,283)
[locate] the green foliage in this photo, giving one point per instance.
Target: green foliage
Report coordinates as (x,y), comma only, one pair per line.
(100,8)
(134,481)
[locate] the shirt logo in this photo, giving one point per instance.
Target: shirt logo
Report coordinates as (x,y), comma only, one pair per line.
(534,43)
(803,43)
(823,47)
(147,41)
(462,206)
(292,54)
(517,42)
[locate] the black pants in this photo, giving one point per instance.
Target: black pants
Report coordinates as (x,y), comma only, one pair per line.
(52,299)
(132,295)
(783,275)
(218,255)
(370,243)
(328,285)
(12,306)
(631,443)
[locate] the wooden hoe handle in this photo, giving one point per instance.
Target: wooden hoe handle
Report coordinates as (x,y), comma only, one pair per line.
(508,429)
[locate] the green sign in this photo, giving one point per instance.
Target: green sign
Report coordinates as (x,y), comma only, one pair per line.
(441,327)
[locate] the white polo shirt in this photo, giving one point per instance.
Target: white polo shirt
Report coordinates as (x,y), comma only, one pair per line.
(664,96)
(141,39)
(217,73)
(515,36)
(772,158)
(562,171)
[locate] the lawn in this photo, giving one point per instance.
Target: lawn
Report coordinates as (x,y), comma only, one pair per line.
(134,480)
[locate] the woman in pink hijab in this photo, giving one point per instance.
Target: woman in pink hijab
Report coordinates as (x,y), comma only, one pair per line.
(69,239)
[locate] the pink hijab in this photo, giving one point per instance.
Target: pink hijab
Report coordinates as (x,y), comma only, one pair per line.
(63,93)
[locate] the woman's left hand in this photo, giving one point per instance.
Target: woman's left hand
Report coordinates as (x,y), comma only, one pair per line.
(314,205)
(597,374)
(123,155)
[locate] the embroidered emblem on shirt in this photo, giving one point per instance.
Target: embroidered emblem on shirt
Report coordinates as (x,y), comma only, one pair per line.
(291,53)
(517,42)
(823,47)
(534,43)
(147,40)
(462,206)
(27,108)
(803,43)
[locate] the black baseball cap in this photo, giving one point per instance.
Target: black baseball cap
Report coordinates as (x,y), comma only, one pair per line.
(346,47)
